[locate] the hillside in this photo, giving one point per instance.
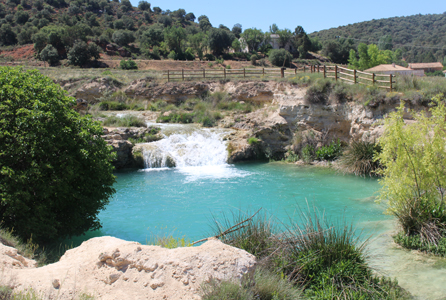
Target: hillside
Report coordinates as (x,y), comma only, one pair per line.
(421,37)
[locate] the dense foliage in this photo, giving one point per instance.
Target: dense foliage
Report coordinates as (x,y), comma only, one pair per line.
(420,37)
(55,170)
(414,174)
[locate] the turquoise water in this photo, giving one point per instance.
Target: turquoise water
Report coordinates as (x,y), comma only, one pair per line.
(182,201)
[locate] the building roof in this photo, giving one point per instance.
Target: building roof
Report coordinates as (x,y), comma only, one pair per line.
(426,65)
(390,67)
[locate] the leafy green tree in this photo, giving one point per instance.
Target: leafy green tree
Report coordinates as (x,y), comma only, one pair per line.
(204,23)
(179,14)
(144,5)
(81,53)
(123,37)
(237,30)
(7,35)
(55,170)
(236,45)
(49,54)
(126,5)
(253,38)
(190,17)
(128,64)
(220,40)
(414,173)
(338,50)
(285,36)
(198,43)
(21,17)
(25,36)
(280,57)
(153,36)
(174,38)
(273,28)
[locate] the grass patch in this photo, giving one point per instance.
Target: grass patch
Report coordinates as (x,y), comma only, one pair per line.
(125,121)
(314,258)
(414,242)
(359,158)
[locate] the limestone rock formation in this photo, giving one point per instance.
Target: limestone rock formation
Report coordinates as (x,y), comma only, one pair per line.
(110,268)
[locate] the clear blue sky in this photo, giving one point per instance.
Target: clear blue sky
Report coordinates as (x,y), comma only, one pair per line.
(311,15)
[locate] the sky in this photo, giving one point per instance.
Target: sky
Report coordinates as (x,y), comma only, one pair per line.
(311,15)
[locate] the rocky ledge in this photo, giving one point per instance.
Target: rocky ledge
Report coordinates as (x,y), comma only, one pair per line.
(110,268)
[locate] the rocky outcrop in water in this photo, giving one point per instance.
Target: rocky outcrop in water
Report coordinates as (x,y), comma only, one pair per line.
(109,268)
(126,156)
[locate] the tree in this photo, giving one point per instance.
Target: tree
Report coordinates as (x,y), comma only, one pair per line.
(190,17)
(280,57)
(237,30)
(285,36)
(338,50)
(123,37)
(204,23)
(81,53)
(7,35)
(219,40)
(385,43)
(236,45)
(144,5)
(414,173)
(253,38)
(174,37)
(50,55)
(55,170)
(273,28)
(198,42)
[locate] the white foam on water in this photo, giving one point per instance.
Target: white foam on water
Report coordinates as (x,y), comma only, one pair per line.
(198,153)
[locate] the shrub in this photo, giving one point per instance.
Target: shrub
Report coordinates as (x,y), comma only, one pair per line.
(280,57)
(125,121)
(413,175)
(81,53)
(253,140)
(128,64)
(56,172)
(112,105)
(330,152)
(359,158)
(308,153)
(319,92)
(49,54)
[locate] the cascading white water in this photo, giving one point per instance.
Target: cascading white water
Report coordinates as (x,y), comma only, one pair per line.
(199,147)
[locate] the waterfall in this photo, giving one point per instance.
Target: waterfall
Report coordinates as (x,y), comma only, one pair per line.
(183,147)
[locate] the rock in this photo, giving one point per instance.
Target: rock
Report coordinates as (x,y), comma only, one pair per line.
(152,272)
(11,259)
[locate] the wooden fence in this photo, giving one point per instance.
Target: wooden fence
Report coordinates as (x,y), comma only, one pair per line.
(334,72)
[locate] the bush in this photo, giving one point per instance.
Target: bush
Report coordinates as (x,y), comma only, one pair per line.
(112,105)
(49,54)
(128,64)
(414,175)
(56,172)
(81,53)
(253,140)
(319,92)
(359,158)
(280,57)
(125,121)
(330,152)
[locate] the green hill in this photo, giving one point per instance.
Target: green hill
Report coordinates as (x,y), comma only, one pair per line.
(421,37)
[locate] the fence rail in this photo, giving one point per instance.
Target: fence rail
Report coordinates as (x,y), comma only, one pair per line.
(335,72)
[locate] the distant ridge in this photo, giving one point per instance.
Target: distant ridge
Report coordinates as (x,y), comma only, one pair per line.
(419,36)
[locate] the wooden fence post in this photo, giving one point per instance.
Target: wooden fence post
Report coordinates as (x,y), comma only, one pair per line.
(354,76)
(318,68)
(224,71)
(182,73)
(282,72)
(204,73)
(336,72)
(311,68)
(244,74)
(263,72)
(304,68)
(295,71)
(390,77)
(168,76)
(325,72)
(373,78)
